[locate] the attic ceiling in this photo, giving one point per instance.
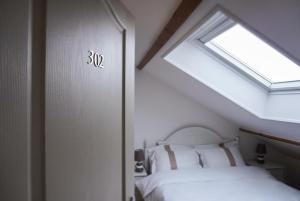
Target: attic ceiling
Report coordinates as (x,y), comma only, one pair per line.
(151,16)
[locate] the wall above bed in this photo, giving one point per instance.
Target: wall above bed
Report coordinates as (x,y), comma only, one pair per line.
(160,110)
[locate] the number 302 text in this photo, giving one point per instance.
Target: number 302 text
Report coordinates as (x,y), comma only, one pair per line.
(96,59)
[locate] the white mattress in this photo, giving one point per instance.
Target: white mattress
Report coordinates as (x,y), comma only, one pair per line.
(215,184)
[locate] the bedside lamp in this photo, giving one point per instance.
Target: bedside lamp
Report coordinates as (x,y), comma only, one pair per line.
(139,157)
(261,150)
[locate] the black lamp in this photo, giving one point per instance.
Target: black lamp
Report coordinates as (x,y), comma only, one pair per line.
(139,157)
(261,150)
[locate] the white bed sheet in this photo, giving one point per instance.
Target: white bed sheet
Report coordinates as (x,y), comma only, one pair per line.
(216,184)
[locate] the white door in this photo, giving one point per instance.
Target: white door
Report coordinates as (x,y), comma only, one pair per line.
(85,97)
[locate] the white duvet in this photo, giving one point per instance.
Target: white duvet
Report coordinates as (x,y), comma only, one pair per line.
(218,184)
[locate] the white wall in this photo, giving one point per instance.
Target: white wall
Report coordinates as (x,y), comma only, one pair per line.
(220,77)
(160,110)
(283,106)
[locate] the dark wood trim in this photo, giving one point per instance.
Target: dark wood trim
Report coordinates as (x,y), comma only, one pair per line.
(270,136)
(183,11)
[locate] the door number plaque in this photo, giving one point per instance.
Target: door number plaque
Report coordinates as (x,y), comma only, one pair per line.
(96,59)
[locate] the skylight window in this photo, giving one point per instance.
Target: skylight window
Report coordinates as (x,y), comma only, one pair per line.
(257,55)
(229,40)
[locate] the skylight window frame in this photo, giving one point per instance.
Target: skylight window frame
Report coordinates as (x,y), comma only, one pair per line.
(218,22)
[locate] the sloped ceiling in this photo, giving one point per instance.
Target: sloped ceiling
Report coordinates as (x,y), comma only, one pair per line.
(150,18)
(276,19)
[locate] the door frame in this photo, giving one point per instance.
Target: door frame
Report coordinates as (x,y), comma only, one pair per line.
(126,21)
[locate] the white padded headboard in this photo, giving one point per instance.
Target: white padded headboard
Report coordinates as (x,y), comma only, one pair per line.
(194,135)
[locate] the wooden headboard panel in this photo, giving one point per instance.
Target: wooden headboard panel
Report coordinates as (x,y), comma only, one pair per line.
(194,135)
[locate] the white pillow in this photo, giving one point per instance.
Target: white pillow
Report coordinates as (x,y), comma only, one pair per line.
(173,157)
(220,156)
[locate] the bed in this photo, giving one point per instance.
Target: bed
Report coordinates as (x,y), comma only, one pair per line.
(226,178)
